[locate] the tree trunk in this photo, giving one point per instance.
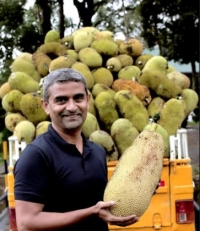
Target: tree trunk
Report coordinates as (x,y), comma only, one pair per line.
(44,15)
(61,18)
(85,11)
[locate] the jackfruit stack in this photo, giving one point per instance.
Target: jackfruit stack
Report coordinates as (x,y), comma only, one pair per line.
(129,89)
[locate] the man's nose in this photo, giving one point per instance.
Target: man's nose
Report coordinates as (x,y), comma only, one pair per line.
(71,105)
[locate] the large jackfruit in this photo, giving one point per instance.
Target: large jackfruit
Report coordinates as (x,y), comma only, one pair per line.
(136,175)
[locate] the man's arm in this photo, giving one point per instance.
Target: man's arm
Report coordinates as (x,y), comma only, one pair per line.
(30,216)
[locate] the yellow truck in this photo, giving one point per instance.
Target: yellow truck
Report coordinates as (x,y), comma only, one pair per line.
(171,208)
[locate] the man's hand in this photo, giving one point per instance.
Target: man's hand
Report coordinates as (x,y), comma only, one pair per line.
(105,214)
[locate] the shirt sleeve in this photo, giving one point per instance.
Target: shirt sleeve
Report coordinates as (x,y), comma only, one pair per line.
(32,175)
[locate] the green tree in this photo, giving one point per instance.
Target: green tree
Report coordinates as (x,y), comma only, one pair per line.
(174,27)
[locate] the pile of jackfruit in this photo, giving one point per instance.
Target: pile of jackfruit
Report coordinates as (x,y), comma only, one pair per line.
(130,89)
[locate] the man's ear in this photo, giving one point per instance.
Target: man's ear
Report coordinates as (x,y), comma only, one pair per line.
(89,98)
(45,106)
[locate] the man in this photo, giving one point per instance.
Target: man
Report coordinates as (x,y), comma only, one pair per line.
(60,177)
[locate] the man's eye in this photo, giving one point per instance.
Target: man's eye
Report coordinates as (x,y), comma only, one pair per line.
(60,100)
(79,97)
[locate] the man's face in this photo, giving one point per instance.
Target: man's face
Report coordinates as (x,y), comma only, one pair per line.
(67,106)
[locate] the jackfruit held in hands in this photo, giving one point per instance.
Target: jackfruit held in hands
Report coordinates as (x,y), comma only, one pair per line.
(172,115)
(106,107)
(129,72)
(82,39)
(123,133)
(61,62)
(136,175)
(21,65)
(104,139)
(12,119)
(52,36)
(103,75)
(105,47)
(191,98)
(155,107)
(132,47)
(23,82)
(141,60)
(31,107)
(159,83)
(141,91)
(42,127)
(99,87)
(4,89)
(85,71)
(90,57)
(165,136)
(90,125)
(24,131)
(13,100)
(131,108)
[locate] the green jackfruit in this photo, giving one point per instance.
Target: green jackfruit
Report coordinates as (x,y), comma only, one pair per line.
(103,76)
(155,107)
(24,131)
(23,82)
(123,133)
(104,139)
(191,98)
(131,108)
(172,115)
(90,125)
(13,98)
(99,87)
(105,47)
(165,136)
(12,119)
(90,57)
(21,65)
(31,107)
(106,108)
(85,71)
(129,72)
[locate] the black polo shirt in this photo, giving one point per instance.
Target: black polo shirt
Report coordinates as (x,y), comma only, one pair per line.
(52,172)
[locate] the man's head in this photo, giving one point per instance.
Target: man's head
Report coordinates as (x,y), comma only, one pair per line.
(66,99)
(60,76)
